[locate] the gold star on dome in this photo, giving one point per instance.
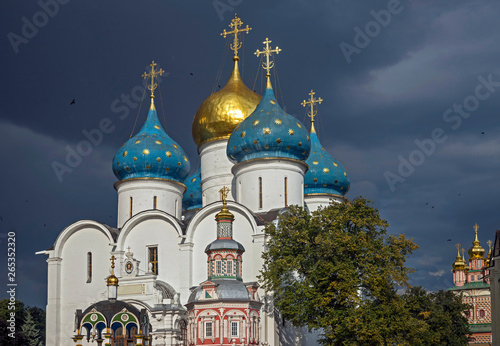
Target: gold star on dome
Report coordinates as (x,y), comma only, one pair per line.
(235,25)
(312,113)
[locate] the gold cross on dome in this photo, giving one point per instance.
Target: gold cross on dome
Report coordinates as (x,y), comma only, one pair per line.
(268,65)
(463,252)
(154,73)
(457,245)
(476,227)
(235,25)
(223,194)
(489,244)
(112,261)
(312,101)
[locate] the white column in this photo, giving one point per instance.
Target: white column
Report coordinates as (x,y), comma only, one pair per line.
(53,320)
(215,171)
(186,271)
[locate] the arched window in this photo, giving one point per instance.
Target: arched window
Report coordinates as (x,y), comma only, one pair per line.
(286,192)
(183,325)
(154,202)
(131,200)
(229,265)
(218,265)
(482,314)
(89,267)
(260,192)
(153,258)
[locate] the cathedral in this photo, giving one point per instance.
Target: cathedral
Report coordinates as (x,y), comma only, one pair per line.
(472,280)
(181,265)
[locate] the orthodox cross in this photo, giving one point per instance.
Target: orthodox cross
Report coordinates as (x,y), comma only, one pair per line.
(268,65)
(154,73)
(113,264)
(458,248)
(476,227)
(463,251)
(489,244)
(312,101)
(223,194)
(235,25)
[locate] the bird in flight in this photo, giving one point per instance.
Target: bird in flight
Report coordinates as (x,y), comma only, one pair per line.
(73,102)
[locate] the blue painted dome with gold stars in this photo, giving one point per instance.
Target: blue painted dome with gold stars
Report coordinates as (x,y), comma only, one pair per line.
(269,132)
(192,198)
(151,153)
(325,175)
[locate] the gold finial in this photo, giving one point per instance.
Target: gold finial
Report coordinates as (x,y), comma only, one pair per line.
(224,213)
(268,65)
(463,252)
(112,279)
(312,113)
(457,245)
(489,242)
(153,85)
(223,194)
(235,25)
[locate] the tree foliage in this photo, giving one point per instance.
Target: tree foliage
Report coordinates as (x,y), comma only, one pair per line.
(338,271)
(29,324)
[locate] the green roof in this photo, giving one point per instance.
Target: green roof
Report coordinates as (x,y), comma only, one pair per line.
(470,285)
(480,328)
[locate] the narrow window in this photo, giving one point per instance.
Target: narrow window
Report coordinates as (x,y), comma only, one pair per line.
(218,267)
(130,206)
(234,329)
(183,325)
(260,192)
(237,268)
(154,202)
(481,313)
(286,192)
(89,267)
(208,330)
(175,212)
(229,267)
(153,259)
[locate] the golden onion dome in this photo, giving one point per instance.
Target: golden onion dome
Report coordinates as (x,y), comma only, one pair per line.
(476,251)
(221,112)
(459,263)
(112,280)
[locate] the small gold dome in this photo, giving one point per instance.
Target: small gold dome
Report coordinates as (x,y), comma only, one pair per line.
(112,280)
(221,112)
(459,263)
(476,251)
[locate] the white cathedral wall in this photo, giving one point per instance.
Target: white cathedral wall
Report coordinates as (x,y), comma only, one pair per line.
(143,191)
(315,201)
(215,171)
(153,230)
(272,173)
(75,291)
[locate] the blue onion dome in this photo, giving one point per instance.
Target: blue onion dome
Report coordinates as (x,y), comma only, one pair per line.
(269,132)
(325,175)
(192,198)
(151,153)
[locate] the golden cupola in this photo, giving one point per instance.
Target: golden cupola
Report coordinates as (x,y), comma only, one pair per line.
(222,111)
(488,256)
(459,263)
(476,251)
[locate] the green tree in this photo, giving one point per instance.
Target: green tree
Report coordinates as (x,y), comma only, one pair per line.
(443,314)
(30,330)
(338,271)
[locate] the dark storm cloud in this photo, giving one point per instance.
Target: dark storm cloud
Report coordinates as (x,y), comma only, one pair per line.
(426,59)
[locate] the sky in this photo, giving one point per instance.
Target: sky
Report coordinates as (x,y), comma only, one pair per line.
(411,94)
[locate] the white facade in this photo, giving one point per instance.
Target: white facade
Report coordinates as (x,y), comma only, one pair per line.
(215,171)
(314,201)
